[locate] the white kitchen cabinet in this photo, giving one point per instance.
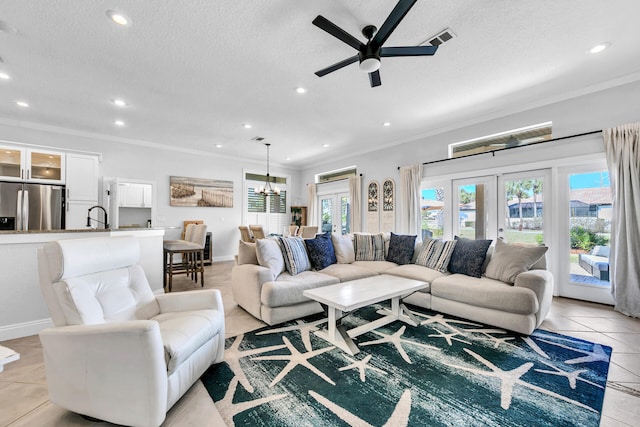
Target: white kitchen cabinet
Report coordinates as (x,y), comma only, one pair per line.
(82,190)
(134,195)
(32,165)
(82,177)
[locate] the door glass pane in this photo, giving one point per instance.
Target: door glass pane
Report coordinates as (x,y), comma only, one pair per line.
(345,215)
(326,214)
(590,227)
(524,211)
(471,211)
(433,212)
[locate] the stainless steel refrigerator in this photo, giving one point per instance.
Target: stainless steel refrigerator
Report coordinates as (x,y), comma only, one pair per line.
(31,206)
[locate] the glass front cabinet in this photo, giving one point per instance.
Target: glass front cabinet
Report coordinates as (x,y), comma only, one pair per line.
(22,164)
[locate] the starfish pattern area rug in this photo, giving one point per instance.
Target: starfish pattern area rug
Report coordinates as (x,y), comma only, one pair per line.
(444,372)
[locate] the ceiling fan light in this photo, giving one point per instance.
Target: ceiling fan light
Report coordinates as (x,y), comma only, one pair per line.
(369,65)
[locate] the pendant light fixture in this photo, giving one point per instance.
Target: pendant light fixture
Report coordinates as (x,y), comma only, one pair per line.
(267,189)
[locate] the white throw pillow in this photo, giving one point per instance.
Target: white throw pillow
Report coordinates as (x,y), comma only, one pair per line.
(343,247)
(270,256)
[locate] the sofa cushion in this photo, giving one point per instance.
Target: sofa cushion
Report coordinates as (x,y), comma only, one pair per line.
(368,247)
(287,290)
(486,293)
(401,248)
(247,253)
(415,272)
(269,255)
(343,247)
(320,251)
(436,254)
(377,266)
(468,256)
(346,272)
(507,261)
(295,255)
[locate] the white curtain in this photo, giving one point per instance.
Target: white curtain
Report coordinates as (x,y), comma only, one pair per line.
(312,215)
(622,147)
(410,179)
(355,193)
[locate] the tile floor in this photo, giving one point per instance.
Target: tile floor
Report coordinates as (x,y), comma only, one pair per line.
(23,387)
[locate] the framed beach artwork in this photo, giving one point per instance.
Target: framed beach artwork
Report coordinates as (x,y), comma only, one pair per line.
(201,192)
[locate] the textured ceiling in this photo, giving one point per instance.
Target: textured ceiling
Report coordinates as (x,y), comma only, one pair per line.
(194,72)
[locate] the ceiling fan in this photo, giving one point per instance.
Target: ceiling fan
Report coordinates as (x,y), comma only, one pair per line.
(369,54)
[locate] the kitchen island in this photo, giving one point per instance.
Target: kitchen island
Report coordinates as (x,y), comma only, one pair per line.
(22,308)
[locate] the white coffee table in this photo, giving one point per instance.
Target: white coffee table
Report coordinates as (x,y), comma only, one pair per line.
(341,299)
(7,355)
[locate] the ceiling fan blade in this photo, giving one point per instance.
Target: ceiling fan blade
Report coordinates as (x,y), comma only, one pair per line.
(337,32)
(392,21)
(336,66)
(374,78)
(408,51)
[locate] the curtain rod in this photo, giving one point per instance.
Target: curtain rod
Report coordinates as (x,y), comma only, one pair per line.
(493,152)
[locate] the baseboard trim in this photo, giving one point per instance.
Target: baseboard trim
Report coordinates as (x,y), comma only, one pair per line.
(21,330)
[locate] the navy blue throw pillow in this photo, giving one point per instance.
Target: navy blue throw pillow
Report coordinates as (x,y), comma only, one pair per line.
(321,252)
(468,256)
(401,248)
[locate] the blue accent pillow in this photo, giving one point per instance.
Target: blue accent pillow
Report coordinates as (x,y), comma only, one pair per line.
(401,248)
(320,251)
(294,254)
(468,256)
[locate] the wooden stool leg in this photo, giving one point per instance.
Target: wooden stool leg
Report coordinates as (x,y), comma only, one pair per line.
(170,270)
(201,253)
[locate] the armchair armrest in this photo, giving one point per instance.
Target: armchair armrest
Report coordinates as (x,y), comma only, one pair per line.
(204,299)
(92,369)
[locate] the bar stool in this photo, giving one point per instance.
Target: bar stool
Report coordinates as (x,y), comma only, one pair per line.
(192,251)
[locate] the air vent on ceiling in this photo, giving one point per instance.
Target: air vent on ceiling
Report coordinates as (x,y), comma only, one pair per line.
(257,139)
(440,38)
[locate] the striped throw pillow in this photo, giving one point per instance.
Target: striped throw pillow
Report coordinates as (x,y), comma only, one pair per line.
(294,253)
(368,247)
(436,254)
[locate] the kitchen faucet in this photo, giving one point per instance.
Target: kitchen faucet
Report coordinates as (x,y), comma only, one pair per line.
(105,223)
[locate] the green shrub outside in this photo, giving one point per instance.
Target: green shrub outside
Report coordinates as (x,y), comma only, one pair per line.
(584,239)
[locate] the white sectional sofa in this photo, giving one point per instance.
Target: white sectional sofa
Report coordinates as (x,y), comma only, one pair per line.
(274,295)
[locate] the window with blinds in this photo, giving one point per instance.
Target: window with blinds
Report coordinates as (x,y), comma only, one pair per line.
(268,211)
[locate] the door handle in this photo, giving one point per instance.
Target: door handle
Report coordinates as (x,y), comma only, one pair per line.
(25,211)
(19,210)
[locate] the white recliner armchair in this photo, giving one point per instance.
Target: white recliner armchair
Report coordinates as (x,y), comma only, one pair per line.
(118,352)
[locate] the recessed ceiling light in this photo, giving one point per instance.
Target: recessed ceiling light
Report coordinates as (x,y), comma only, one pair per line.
(287,158)
(246,126)
(118,17)
(119,102)
(22,104)
(301,90)
(386,124)
(119,123)
(218,145)
(4,76)
(325,145)
(599,47)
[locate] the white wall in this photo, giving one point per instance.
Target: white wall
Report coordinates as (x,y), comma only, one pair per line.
(148,163)
(599,110)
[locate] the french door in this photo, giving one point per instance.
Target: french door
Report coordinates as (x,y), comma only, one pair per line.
(586,212)
(335,213)
(511,207)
